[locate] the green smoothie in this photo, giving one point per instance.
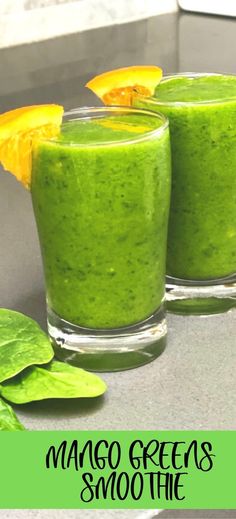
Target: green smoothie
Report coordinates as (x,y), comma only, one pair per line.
(202,227)
(101,200)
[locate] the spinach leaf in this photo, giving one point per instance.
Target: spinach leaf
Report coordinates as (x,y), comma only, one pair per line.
(22,343)
(8,419)
(56,380)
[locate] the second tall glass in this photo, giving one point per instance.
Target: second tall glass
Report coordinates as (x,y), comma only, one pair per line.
(201,258)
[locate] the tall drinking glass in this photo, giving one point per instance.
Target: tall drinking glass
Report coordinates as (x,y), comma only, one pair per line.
(201,258)
(101,201)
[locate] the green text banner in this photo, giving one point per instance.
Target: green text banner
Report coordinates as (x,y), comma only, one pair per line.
(118,469)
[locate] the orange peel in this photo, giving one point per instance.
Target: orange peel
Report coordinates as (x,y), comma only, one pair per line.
(19,131)
(119,86)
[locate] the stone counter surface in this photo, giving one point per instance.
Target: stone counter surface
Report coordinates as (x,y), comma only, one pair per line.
(118,514)
(192,385)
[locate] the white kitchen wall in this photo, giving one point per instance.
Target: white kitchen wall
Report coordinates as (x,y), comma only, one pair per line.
(14,6)
(25,21)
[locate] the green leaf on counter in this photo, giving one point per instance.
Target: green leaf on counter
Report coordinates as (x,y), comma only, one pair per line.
(56,380)
(22,343)
(8,419)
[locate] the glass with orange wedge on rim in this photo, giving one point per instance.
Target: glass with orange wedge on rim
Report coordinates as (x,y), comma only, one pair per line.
(201,108)
(100,186)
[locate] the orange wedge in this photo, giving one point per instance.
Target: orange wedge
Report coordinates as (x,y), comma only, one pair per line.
(119,86)
(19,130)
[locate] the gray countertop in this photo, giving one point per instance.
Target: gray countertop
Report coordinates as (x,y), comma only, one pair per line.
(192,385)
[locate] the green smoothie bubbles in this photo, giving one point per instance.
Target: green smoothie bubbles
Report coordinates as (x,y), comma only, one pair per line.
(101,193)
(201,259)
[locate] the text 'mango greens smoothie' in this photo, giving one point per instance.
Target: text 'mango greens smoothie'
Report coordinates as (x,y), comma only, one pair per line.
(101,200)
(201,259)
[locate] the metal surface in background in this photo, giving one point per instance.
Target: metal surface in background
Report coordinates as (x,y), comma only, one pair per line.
(56,70)
(221,7)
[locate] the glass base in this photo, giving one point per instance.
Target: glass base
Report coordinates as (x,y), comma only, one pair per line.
(200,298)
(108,350)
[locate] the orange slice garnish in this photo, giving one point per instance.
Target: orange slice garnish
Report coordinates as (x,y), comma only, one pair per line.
(19,131)
(119,86)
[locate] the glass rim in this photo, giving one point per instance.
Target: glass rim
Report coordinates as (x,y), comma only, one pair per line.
(160,103)
(91,112)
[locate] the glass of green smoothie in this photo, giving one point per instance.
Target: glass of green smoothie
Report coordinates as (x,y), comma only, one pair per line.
(201,257)
(101,195)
